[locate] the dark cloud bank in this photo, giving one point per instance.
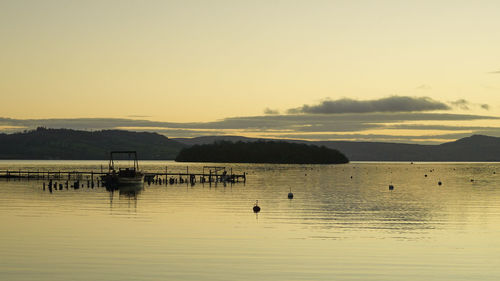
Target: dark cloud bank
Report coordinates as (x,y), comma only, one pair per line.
(318,126)
(389,104)
(339,119)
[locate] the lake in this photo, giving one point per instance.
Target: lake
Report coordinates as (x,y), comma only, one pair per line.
(343,224)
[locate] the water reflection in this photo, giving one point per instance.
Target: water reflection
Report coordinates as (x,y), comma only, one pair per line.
(343,222)
(131,190)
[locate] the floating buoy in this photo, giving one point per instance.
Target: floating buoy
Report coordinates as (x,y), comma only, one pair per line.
(290,194)
(425,175)
(256,207)
(440,183)
(471,180)
(391,187)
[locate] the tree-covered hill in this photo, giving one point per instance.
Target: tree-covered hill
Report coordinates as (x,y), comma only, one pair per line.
(261,152)
(67,144)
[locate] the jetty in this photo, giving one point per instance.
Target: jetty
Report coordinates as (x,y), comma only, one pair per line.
(208,174)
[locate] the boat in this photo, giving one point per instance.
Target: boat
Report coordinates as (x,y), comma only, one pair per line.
(118,177)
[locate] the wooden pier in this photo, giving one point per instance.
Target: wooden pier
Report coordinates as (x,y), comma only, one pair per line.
(209,174)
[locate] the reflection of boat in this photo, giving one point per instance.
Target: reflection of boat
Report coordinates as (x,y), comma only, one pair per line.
(129,178)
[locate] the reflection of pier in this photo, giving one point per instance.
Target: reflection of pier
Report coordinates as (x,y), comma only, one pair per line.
(209,174)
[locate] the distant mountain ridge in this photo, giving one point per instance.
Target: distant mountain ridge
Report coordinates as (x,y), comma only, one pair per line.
(65,144)
(473,148)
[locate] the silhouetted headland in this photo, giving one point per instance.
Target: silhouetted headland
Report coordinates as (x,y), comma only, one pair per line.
(65,144)
(261,152)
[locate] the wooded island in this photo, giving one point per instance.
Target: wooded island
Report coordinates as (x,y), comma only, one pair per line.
(275,152)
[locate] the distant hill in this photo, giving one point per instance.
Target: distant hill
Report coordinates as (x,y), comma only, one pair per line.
(473,148)
(261,152)
(212,139)
(67,144)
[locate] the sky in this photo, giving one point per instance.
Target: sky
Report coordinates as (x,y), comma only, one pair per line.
(403,71)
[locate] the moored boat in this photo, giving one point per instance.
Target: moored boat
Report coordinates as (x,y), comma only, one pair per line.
(118,177)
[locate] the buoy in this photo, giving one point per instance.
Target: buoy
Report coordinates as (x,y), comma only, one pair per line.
(391,187)
(440,183)
(425,175)
(256,207)
(290,194)
(471,180)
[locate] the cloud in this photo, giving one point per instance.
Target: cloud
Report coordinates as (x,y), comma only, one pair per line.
(466,105)
(461,103)
(347,122)
(428,139)
(494,72)
(269,111)
(389,104)
(306,126)
(423,87)
(138,116)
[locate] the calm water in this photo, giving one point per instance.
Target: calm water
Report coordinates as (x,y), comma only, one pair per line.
(336,227)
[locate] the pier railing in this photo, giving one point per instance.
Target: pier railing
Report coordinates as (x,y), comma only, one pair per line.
(213,175)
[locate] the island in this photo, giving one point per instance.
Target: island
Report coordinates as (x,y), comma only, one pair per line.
(275,152)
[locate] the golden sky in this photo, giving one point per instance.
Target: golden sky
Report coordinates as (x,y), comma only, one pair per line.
(199,61)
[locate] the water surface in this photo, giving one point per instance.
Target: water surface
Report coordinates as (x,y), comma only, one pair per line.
(343,224)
